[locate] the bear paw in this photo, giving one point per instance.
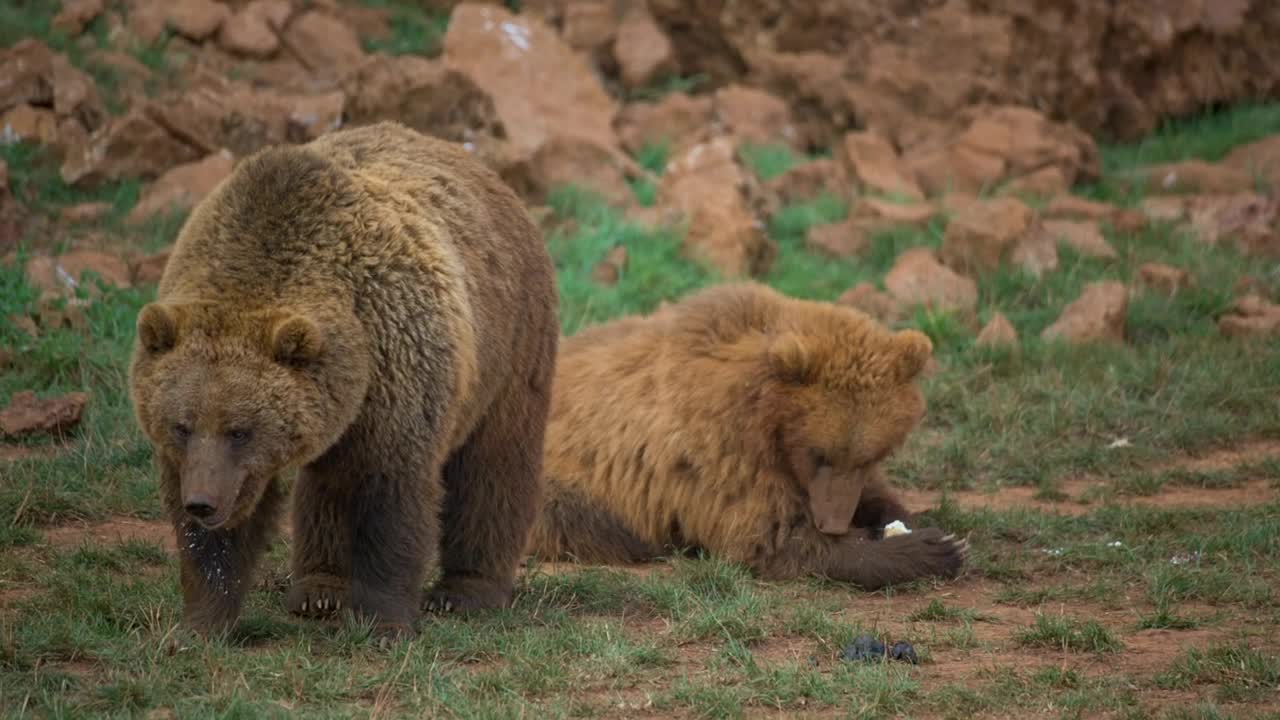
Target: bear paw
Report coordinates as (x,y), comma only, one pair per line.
(316,596)
(466,597)
(930,551)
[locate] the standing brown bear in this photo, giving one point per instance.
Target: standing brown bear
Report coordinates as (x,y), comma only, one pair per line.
(744,422)
(377,309)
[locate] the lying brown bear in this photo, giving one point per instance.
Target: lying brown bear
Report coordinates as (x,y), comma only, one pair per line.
(744,422)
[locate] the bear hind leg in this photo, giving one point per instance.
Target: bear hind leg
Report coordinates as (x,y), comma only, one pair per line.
(493,488)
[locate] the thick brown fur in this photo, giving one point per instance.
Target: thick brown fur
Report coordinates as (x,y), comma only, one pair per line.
(705,425)
(377,309)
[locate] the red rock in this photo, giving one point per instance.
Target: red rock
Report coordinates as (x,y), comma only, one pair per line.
(30,124)
(642,49)
(148,270)
(609,270)
(1164,209)
(26,74)
(541,89)
(1164,278)
(754,117)
(1251,316)
(918,279)
(183,186)
(1045,182)
(865,297)
(1196,176)
(706,185)
(807,181)
(589,24)
(666,122)
(426,96)
(891,213)
(1216,218)
(998,332)
(568,160)
(990,233)
(1083,236)
(64,273)
(1259,159)
(26,414)
(132,146)
(311,116)
(197,19)
(85,212)
(324,44)
(75,15)
(841,240)
(876,165)
(250,32)
(1098,315)
(1070,207)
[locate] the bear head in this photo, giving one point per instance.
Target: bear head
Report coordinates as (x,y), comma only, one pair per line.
(844,397)
(230,398)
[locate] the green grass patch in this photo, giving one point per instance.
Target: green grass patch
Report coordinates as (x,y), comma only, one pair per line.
(415,29)
(1063,633)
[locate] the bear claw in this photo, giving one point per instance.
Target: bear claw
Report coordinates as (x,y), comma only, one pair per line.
(315,596)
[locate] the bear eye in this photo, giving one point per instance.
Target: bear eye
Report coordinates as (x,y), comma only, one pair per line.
(239,436)
(181,431)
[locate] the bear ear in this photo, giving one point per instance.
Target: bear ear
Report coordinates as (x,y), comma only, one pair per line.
(790,358)
(296,340)
(912,350)
(158,328)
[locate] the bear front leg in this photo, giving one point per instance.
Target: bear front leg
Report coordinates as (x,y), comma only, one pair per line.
(879,505)
(321,552)
(493,489)
(216,566)
(869,564)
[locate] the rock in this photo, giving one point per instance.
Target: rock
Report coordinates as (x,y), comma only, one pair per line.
(182,187)
(863,649)
(85,212)
(547,97)
(840,240)
(197,19)
(589,24)
(250,32)
(609,270)
(990,233)
(1070,207)
(1251,316)
(805,182)
(323,44)
(1027,142)
(1098,315)
(890,213)
(26,414)
(998,332)
(131,146)
(917,278)
(25,123)
(1164,209)
(426,96)
(666,122)
(56,312)
(568,161)
(1195,176)
(149,269)
(1045,182)
(1083,236)
(903,651)
(707,186)
(1243,217)
(75,15)
(865,297)
(64,273)
(310,116)
(1259,160)
(1164,278)
(876,166)
(754,117)
(32,74)
(642,49)
(144,22)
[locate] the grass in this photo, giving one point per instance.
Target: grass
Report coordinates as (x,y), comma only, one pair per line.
(87,628)
(415,29)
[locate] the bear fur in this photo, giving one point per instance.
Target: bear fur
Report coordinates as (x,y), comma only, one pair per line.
(743,422)
(376,309)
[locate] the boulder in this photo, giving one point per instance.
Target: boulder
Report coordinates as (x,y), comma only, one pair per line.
(917,278)
(988,234)
(1251,317)
(753,116)
(875,165)
(643,51)
(669,122)
(1164,278)
(28,415)
(998,332)
(181,187)
(1083,236)
(1098,315)
(197,19)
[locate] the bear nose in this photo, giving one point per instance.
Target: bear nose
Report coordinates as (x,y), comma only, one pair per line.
(200,506)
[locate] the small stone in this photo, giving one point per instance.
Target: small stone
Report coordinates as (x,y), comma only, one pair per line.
(877,167)
(918,279)
(998,332)
(840,240)
(903,651)
(1164,278)
(1099,314)
(1083,236)
(85,212)
(26,414)
(866,298)
(863,649)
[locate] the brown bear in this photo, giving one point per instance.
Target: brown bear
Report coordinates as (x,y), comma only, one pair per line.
(745,423)
(376,309)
